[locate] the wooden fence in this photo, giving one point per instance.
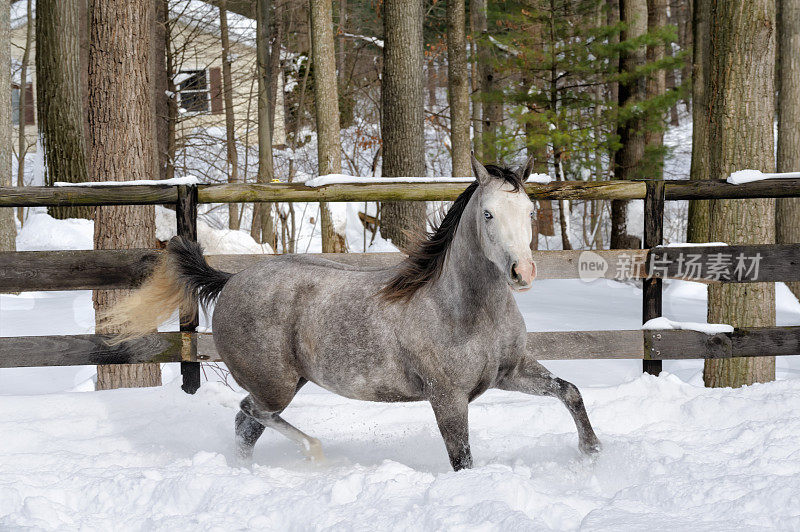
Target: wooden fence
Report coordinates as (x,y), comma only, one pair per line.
(114,269)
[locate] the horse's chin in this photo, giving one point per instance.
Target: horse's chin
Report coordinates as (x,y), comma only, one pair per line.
(517,288)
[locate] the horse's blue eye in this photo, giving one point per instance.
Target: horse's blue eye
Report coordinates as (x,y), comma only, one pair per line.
(487,215)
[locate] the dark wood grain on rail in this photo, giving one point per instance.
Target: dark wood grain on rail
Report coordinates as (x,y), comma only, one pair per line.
(88,195)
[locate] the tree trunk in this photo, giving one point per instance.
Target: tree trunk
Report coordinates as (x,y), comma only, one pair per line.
(162,90)
(274,70)
(230,126)
(698,224)
(477,104)
(22,141)
(656,88)
(431,82)
(628,159)
(344,64)
(326,96)
(262,227)
(8,229)
(60,98)
(458,87)
(492,106)
(787,210)
(675,19)
(686,41)
(740,91)
(122,145)
(168,157)
(402,125)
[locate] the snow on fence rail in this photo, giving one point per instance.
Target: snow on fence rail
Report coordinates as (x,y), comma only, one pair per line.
(109,269)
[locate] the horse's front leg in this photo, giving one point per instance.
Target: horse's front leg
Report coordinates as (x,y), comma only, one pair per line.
(451,411)
(531,377)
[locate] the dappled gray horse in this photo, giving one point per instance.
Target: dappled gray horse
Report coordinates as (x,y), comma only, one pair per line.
(441,327)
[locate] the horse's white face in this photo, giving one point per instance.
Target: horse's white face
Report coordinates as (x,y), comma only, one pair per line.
(504,222)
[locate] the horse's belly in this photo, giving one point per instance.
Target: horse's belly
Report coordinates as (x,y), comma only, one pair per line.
(358,362)
(362,376)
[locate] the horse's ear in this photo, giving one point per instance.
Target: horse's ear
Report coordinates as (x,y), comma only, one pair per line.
(481,174)
(525,171)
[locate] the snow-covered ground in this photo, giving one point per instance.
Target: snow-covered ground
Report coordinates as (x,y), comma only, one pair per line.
(676,455)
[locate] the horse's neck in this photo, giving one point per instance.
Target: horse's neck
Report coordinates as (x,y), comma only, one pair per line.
(469,280)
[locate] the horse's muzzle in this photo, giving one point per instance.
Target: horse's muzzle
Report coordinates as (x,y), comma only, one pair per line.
(522,275)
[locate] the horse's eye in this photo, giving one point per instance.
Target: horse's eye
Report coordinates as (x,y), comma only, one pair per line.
(531,214)
(487,215)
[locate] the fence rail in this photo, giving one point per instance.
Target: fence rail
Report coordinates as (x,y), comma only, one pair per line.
(392,191)
(117,269)
(191,347)
(111,269)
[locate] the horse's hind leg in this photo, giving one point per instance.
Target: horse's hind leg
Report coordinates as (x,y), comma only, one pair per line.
(248,430)
(533,378)
(253,419)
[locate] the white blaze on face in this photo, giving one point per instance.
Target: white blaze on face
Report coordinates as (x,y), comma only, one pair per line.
(506,220)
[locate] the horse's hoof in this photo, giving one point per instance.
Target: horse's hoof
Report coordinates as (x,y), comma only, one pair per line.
(591,448)
(313,451)
(244,455)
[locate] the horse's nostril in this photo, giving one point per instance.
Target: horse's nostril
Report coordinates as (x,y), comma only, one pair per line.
(514,274)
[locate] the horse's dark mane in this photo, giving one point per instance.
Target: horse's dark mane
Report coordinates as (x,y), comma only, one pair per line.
(426,256)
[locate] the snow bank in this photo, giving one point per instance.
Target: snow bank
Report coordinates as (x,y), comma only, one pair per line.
(159,459)
(42,232)
(214,241)
(188,180)
(665,323)
(747,176)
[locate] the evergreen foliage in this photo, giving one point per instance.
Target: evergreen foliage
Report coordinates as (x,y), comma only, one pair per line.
(558,64)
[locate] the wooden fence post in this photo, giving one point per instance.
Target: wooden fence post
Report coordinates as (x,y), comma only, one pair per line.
(653,236)
(186,214)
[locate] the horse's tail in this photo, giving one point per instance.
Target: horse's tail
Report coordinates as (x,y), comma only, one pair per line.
(182,277)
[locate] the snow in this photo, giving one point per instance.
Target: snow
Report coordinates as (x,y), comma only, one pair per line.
(539,178)
(748,176)
(666,323)
(188,180)
(214,241)
(372,40)
(334,179)
(42,231)
(158,459)
(692,244)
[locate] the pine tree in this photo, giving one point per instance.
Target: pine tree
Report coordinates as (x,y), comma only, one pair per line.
(564,58)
